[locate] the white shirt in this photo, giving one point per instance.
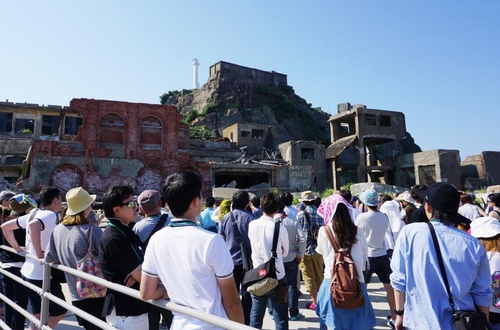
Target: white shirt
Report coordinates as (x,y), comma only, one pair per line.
(291,212)
(188,260)
(374,226)
(32,269)
(260,233)
(469,211)
(494,260)
(359,252)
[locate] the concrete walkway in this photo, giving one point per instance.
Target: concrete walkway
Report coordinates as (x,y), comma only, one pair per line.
(375,291)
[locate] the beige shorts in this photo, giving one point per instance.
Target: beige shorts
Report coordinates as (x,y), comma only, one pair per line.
(312,271)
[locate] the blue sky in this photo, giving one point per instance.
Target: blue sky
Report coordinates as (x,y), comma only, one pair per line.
(436,61)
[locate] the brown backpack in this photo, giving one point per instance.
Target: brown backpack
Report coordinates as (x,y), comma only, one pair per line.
(345,287)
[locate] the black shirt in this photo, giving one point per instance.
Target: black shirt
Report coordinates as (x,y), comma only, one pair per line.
(120,253)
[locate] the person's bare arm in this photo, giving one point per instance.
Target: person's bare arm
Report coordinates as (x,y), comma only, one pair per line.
(8,232)
(231,299)
(400,305)
(485,310)
(151,288)
(35,230)
(133,277)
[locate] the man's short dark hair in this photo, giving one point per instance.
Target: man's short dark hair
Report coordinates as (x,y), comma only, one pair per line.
(444,218)
(115,197)
(48,194)
(240,200)
(270,203)
(255,201)
(287,199)
(179,191)
(414,190)
(346,194)
(495,199)
(385,198)
(210,201)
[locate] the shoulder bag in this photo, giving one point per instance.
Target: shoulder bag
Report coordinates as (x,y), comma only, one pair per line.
(263,278)
(464,320)
(245,253)
(89,264)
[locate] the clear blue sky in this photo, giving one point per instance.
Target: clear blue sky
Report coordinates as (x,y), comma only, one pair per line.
(436,61)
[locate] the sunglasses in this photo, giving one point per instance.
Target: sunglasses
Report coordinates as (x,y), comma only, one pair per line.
(131,204)
(23,199)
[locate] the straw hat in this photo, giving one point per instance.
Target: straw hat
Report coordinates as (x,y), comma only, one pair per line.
(78,200)
(307,196)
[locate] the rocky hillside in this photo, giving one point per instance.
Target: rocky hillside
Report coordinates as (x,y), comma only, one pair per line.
(221,103)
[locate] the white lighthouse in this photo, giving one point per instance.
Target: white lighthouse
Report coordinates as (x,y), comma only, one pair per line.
(195,74)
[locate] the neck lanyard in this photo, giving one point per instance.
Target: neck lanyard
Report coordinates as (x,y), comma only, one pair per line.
(131,245)
(184,223)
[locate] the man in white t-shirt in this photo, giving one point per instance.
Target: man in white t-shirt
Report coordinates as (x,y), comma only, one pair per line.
(261,235)
(39,225)
(188,264)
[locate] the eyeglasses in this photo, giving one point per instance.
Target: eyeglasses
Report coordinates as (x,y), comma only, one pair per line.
(131,204)
(23,199)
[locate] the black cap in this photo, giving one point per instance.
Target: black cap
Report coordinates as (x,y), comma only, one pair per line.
(442,197)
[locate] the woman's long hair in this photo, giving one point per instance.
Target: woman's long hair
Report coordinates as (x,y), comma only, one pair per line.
(343,227)
(491,244)
(76,219)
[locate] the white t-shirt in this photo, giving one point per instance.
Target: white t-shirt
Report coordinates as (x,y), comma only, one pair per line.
(469,211)
(359,252)
(261,234)
(188,260)
(374,226)
(32,269)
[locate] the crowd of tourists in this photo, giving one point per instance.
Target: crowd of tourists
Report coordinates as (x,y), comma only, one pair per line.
(435,249)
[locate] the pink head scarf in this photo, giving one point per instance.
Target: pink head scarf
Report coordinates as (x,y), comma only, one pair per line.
(328,208)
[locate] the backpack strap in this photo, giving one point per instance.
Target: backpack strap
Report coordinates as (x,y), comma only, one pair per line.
(236,230)
(332,240)
(159,225)
(275,239)
(308,218)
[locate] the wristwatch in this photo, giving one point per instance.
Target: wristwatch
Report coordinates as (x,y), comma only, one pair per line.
(397,312)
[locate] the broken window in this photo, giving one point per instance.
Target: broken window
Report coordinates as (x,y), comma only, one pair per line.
(151,133)
(25,126)
(308,153)
(72,124)
(385,121)
(370,120)
(5,122)
(50,125)
(245,134)
(257,133)
(112,129)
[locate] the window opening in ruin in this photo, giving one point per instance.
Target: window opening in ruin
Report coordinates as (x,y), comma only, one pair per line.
(345,128)
(151,133)
(72,124)
(385,121)
(231,137)
(370,120)
(245,134)
(427,174)
(50,125)
(14,160)
(111,129)
(257,133)
(308,153)
(5,122)
(25,126)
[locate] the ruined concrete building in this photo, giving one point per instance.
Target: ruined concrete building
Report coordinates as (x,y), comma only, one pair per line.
(98,144)
(366,145)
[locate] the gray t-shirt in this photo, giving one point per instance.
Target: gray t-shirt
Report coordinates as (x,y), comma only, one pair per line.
(67,245)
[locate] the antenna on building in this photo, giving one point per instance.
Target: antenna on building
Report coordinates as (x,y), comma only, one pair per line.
(195,74)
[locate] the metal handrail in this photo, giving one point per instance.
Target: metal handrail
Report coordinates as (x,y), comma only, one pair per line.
(46,295)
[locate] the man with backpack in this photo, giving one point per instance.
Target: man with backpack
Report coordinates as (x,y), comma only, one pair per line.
(150,204)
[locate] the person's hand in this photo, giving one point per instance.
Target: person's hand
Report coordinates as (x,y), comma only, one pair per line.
(399,322)
(299,260)
(129,281)
(20,249)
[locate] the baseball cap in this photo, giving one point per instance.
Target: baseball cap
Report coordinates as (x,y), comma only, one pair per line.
(485,227)
(442,197)
(149,199)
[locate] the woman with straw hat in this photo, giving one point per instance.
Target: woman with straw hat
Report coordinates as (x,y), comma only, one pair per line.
(69,243)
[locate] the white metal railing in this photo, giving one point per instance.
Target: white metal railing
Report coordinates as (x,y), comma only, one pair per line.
(44,292)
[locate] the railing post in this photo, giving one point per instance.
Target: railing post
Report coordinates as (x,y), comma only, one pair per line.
(44,311)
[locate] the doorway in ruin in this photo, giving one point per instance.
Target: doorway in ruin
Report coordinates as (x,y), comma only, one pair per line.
(243,179)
